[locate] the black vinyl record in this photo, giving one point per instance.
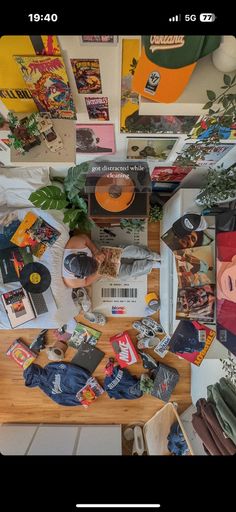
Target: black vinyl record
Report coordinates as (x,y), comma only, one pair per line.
(35,277)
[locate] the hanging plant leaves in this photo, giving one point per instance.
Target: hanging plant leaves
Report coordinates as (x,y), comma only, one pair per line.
(227,79)
(75,180)
(48,198)
(207,105)
(211,95)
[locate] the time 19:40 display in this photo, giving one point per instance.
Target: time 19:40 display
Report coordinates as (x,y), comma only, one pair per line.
(43,17)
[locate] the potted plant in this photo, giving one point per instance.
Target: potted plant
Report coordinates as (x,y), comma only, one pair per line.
(219,187)
(71,198)
(215,125)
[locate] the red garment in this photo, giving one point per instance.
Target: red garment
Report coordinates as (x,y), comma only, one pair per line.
(226,314)
(226,245)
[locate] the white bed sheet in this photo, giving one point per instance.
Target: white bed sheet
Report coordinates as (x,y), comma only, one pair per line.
(52,259)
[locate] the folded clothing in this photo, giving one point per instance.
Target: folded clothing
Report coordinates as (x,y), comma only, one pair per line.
(176,441)
(208,428)
(222,395)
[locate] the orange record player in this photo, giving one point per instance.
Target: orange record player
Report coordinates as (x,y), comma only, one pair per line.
(118,190)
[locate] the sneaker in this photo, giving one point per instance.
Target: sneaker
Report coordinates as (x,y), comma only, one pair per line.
(148,343)
(148,361)
(95,318)
(146,331)
(152,324)
(81,298)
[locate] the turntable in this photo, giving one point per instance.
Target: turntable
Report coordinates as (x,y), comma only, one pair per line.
(118,190)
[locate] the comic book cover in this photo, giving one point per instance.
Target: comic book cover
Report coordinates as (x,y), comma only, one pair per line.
(196,303)
(111,265)
(22,236)
(89,392)
(191,340)
(84,333)
(97,108)
(226,282)
(195,267)
(87,75)
(21,354)
(14,93)
(47,80)
(42,231)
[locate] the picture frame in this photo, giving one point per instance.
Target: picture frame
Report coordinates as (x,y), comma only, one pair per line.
(108,40)
(98,139)
(205,154)
(150,148)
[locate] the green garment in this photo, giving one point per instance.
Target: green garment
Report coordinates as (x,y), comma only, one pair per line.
(222,395)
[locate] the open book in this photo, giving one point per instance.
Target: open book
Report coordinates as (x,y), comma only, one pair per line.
(111,265)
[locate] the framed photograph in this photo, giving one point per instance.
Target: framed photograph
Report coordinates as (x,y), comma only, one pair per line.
(93,40)
(155,148)
(203,154)
(95,139)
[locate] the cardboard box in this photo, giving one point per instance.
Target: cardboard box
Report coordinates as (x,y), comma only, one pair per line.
(124,349)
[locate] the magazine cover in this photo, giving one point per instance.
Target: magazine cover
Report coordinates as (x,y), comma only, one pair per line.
(101,39)
(21,354)
(207,153)
(47,80)
(226,286)
(89,392)
(111,265)
(12,261)
(172,173)
(97,108)
(193,239)
(191,340)
(84,333)
(95,139)
(87,75)
(196,303)
(195,267)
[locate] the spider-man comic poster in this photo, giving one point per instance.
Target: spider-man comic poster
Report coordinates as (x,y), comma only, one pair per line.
(47,80)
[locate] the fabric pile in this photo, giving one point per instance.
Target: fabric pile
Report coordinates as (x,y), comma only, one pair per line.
(176,441)
(215,419)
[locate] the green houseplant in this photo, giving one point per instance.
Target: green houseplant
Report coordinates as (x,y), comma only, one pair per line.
(215,125)
(71,198)
(155,213)
(219,187)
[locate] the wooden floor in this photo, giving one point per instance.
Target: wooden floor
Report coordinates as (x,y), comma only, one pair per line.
(19,404)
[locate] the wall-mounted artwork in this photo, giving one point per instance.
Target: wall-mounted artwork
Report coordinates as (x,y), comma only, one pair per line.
(208,126)
(14,93)
(95,139)
(203,154)
(156,148)
(130,119)
(93,40)
(97,108)
(173,173)
(47,80)
(87,75)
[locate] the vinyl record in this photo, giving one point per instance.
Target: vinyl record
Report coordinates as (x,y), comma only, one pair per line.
(114,193)
(35,277)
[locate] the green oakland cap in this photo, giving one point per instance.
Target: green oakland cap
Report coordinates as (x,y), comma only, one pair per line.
(175,52)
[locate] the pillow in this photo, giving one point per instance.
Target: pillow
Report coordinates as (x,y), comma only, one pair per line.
(17,183)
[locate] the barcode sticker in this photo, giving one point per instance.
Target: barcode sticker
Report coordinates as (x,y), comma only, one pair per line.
(119,293)
(202,336)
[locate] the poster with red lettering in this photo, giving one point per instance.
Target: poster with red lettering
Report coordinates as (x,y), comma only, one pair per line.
(124,349)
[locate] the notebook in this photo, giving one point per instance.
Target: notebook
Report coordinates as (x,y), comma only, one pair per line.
(88,357)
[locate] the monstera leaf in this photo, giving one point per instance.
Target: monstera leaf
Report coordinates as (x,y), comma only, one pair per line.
(48,198)
(75,181)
